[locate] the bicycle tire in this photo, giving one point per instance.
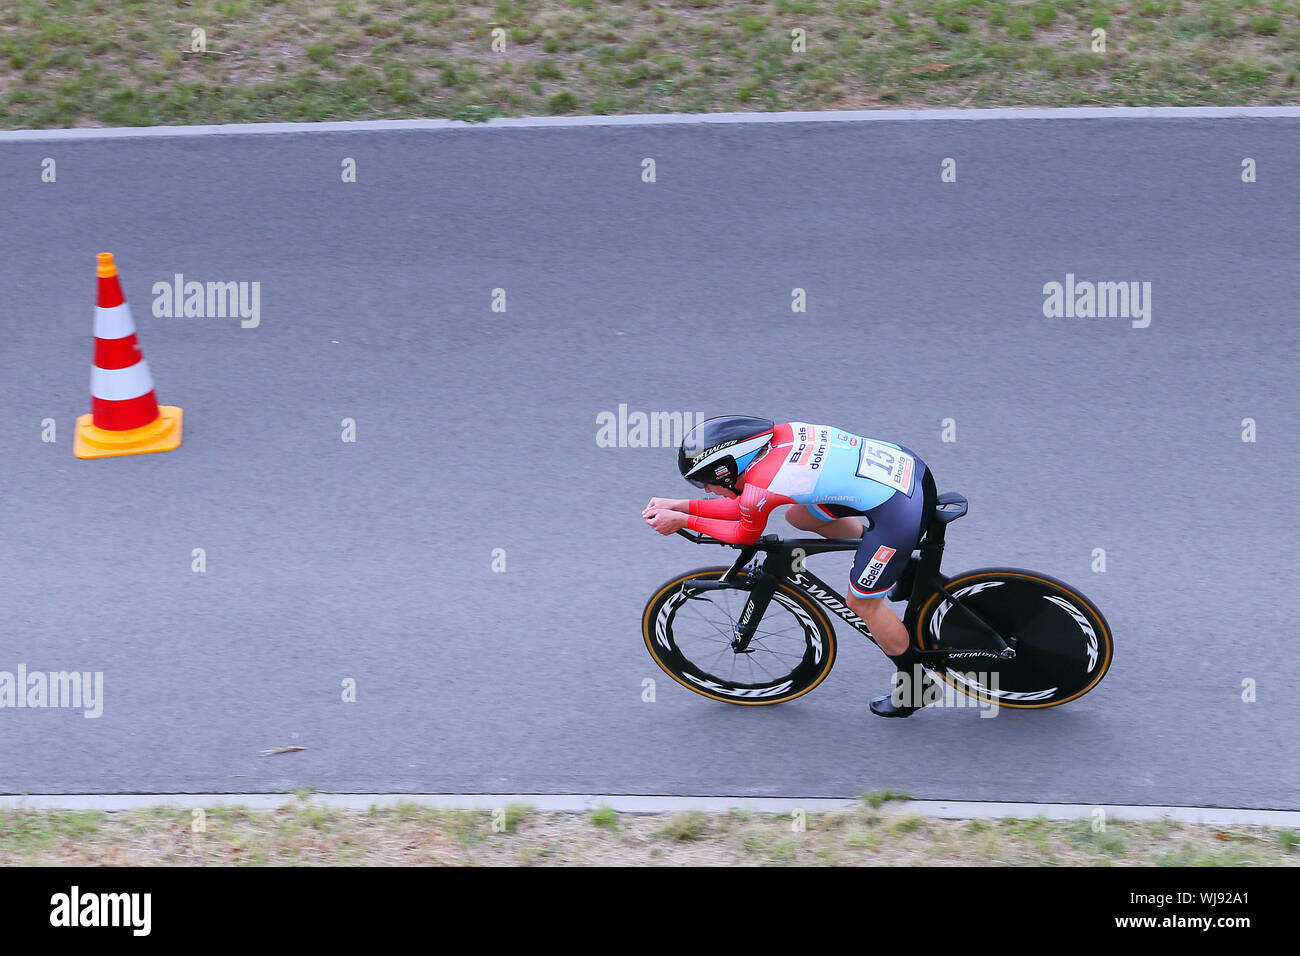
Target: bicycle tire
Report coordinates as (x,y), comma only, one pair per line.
(818,634)
(1064,647)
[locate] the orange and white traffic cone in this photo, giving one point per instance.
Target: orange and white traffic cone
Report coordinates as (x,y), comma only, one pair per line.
(126,418)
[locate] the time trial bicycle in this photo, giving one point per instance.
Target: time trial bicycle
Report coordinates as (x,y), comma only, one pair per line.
(760,632)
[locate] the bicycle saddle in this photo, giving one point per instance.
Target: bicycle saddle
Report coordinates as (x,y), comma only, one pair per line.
(949,506)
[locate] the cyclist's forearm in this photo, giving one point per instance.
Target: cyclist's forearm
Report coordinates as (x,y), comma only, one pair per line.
(732,532)
(728,509)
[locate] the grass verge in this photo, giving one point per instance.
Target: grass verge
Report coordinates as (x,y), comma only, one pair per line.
(140,63)
(408,834)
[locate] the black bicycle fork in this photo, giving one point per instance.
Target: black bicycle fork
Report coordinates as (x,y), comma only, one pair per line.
(761,586)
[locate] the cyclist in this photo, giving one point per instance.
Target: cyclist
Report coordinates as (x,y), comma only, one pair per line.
(838,484)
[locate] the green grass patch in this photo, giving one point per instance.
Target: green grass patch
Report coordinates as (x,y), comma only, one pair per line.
(878,798)
(84,63)
(685,827)
(604,817)
(302,834)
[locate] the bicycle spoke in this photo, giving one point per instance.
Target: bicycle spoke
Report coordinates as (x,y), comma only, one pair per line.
(783,632)
(698,613)
(775,651)
(720,654)
(754,663)
(785,655)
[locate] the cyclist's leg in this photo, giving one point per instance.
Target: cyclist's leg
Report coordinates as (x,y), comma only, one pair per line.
(889,632)
(812,519)
(880,561)
(897,526)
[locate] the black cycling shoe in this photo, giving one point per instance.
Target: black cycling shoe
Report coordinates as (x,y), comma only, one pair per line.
(885,706)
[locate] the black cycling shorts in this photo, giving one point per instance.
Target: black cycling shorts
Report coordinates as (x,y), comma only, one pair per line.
(892,531)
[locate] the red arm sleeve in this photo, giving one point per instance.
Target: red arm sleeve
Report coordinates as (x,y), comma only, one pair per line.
(732,532)
(753,508)
(728,508)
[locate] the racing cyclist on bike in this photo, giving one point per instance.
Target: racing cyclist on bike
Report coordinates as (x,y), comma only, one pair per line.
(838,484)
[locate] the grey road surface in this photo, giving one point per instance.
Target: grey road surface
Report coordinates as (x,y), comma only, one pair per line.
(373,561)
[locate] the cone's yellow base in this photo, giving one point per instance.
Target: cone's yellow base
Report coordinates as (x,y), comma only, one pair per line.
(161,434)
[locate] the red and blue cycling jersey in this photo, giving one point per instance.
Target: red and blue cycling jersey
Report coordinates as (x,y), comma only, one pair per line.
(832,473)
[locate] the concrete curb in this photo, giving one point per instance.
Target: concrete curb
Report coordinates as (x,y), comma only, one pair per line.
(668,119)
(631,803)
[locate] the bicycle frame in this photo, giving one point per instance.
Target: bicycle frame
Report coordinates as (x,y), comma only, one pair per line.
(783,561)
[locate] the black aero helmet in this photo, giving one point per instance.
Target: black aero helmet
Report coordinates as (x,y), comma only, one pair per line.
(717,451)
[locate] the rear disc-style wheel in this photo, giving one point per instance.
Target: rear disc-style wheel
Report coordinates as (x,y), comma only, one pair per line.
(690,638)
(1063,644)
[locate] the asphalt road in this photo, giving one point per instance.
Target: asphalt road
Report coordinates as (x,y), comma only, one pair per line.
(476,430)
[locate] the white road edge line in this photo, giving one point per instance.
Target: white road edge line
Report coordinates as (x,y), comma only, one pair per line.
(582,802)
(667,119)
